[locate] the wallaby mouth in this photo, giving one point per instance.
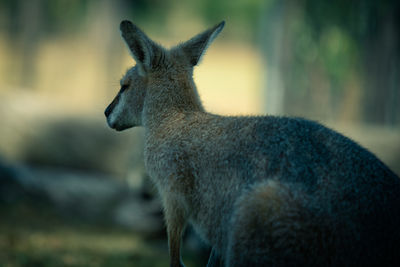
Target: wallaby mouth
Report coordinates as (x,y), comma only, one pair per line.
(120,128)
(115,126)
(110,124)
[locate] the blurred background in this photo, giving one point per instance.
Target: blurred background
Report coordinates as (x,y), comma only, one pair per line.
(75,193)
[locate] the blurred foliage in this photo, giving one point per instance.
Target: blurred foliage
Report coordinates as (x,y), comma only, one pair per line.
(337,59)
(48,17)
(341,55)
(62,16)
(364,28)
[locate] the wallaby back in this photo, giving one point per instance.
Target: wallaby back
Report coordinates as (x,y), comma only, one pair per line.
(261,190)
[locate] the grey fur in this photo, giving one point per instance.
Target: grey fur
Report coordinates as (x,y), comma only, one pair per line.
(262,191)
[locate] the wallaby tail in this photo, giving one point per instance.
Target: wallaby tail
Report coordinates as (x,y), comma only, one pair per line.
(281,224)
(275,225)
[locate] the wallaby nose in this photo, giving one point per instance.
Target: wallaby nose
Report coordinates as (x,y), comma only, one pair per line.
(108,110)
(110,107)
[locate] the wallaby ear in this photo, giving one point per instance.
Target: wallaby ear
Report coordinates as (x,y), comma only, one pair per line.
(143,49)
(195,47)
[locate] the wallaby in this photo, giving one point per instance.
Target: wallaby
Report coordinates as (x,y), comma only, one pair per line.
(262,191)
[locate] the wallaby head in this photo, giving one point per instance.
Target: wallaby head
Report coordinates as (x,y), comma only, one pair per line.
(162,78)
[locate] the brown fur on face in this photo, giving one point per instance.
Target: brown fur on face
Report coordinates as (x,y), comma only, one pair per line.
(262,191)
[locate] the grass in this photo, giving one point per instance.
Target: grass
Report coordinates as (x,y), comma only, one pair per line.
(40,238)
(77,246)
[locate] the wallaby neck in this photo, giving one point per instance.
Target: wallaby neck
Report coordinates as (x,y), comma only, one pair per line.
(164,102)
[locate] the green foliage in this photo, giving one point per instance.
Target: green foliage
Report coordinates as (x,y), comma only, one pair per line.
(335,49)
(47,16)
(338,55)
(147,11)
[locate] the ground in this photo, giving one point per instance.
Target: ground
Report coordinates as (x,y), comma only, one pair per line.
(39,238)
